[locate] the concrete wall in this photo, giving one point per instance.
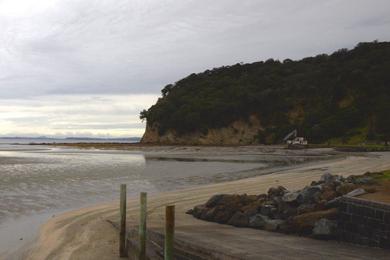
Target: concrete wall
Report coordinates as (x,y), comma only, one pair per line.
(364,222)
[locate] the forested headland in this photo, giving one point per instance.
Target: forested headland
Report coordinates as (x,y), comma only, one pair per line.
(343,97)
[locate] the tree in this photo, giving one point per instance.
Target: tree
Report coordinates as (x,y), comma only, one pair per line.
(383,118)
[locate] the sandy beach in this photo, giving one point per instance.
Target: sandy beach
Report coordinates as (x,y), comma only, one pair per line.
(45,180)
(87,234)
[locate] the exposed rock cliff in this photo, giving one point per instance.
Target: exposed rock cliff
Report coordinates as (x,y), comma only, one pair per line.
(238,132)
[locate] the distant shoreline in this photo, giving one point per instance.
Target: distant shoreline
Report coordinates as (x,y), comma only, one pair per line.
(128,145)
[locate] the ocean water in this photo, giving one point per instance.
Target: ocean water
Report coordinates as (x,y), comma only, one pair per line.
(39,181)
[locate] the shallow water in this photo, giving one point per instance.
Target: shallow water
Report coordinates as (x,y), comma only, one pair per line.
(38,181)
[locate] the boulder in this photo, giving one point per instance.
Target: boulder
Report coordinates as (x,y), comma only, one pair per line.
(304,223)
(345,187)
(209,213)
(328,195)
(239,219)
(268,210)
(248,199)
(215,200)
(287,211)
(334,203)
(356,192)
(365,180)
(326,177)
(253,208)
(306,208)
(309,194)
(263,222)
(222,216)
(278,202)
(290,196)
(232,202)
(198,210)
(258,221)
(329,178)
(273,224)
(231,199)
(361,180)
(276,191)
(219,214)
(317,197)
(324,228)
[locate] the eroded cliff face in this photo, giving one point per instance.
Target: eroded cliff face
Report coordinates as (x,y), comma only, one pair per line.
(239,132)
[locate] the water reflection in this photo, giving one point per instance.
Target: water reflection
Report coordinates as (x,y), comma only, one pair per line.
(41,180)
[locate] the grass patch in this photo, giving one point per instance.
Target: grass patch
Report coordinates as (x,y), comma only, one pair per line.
(385,175)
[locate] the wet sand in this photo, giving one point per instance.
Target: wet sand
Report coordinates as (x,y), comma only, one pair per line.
(86,234)
(41,181)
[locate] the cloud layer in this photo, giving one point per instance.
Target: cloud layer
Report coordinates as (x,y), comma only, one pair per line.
(50,49)
(74,116)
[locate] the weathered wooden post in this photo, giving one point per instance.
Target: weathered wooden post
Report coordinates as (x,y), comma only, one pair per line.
(169,232)
(142,226)
(122,233)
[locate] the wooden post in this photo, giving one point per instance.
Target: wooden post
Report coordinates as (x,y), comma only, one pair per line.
(142,227)
(169,232)
(122,233)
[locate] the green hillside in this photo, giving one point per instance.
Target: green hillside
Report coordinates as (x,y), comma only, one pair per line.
(344,96)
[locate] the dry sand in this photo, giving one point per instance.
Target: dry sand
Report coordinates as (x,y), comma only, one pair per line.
(86,234)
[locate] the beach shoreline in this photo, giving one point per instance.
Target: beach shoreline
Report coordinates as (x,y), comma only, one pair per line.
(167,168)
(85,233)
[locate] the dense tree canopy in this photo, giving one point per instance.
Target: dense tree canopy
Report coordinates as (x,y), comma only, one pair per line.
(324,97)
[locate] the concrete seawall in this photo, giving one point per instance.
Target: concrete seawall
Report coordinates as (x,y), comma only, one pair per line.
(364,222)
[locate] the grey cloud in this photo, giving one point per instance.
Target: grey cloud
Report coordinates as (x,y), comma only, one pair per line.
(86,47)
(97,51)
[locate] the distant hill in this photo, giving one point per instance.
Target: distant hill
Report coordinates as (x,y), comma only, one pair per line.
(342,97)
(44,139)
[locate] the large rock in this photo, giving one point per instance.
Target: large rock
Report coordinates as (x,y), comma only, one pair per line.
(306,208)
(276,191)
(309,194)
(290,196)
(356,192)
(304,223)
(252,208)
(198,210)
(329,178)
(248,199)
(263,222)
(239,219)
(219,214)
(366,180)
(215,200)
(268,210)
(258,221)
(345,187)
(326,177)
(287,211)
(328,195)
(324,228)
(361,180)
(231,202)
(273,224)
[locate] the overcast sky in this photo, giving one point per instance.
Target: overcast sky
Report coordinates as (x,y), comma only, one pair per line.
(87,67)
